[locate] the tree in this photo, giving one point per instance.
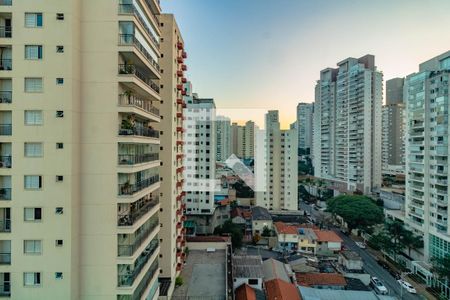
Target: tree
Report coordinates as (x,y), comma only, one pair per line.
(359,212)
(230,228)
(411,241)
(441,266)
(266,232)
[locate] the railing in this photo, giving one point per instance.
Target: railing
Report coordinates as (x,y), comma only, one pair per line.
(5,64)
(5,225)
(131,100)
(5,96)
(6,2)
(140,131)
(128,219)
(133,70)
(5,161)
(5,193)
(129,249)
(5,31)
(5,258)
(132,159)
(130,39)
(130,189)
(5,290)
(128,279)
(129,9)
(5,129)
(143,284)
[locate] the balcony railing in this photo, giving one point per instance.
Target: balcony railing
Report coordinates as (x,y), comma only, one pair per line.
(129,218)
(131,100)
(139,131)
(5,161)
(5,193)
(143,284)
(5,290)
(128,279)
(129,249)
(132,159)
(130,189)
(129,9)
(5,225)
(130,39)
(5,96)
(5,64)
(133,70)
(5,258)
(5,31)
(5,129)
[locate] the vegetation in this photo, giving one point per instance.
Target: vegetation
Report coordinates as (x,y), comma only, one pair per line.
(267,232)
(441,267)
(359,212)
(178,281)
(234,230)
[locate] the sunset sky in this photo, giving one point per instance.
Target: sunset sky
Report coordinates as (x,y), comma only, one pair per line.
(266,54)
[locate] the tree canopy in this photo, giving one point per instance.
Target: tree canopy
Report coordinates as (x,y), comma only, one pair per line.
(441,266)
(233,229)
(359,212)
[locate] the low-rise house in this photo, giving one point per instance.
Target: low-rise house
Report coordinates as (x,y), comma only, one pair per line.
(307,240)
(246,292)
(247,269)
(260,219)
(332,281)
(237,216)
(278,289)
(350,261)
(328,242)
(274,269)
(287,236)
(321,294)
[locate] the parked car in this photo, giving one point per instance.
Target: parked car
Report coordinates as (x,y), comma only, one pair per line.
(361,245)
(407,286)
(378,286)
(383,264)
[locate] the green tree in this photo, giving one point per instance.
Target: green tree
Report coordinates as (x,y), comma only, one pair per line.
(359,212)
(234,230)
(266,232)
(441,267)
(411,241)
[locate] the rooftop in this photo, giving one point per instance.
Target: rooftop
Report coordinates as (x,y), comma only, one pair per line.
(246,292)
(328,294)
(327,236)
(315,279)
(247,266)
(260,213)
(350,255)
(281,290)
(274,269)
(286,229)
(204,275)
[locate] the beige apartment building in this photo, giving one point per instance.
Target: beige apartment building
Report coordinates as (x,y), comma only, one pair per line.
(80,165)
(172,144)
(243,140)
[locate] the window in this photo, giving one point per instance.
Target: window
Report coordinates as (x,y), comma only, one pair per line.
(33,19)
(59,210)
(33,85)
(33,117)
(33,182)
(58,275)
(59,81)
(59,243)
(59,178)
(59,114)
(59,49)
(59,16)
(31,278)
(32,247)
(32,213)
(59,145)
(33,52)
(33,149)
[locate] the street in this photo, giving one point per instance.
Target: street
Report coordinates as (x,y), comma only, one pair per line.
(370,264)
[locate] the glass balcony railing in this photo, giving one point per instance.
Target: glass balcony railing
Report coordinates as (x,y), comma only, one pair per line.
(149,275)
(5,193)
(5,31)
(5,225)
(131,100)
(130,69)
(130,39)
(128,218)
(5,64)
(129,9)
(5,96)
(129,243)
(132,188)
(5,161)
(139,131)
(133,159)
(5,258)
(5,129)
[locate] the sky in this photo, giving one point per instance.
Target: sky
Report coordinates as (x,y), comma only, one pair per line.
(268,54)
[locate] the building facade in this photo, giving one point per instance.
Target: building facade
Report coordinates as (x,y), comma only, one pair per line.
(223,138)
(393,120)
(427,148)
(304,122)
(243,140)
(281,166)
(348,124)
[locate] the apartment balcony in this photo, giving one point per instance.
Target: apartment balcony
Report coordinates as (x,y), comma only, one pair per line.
(179,87)
(180,170)
(128,189)
(129,9)
(184,54)
(180,46)
(180,129)
(138,131)
(183,92)
(184,67)
(5,252)
(131,40)
(180,59)
(5,289)
(137,72)
(180,183)
(5,129)
(179,101)
(5,219)
(5,161)
(5,64)
(5,97)
(134,159)
(183,80)
(5,2)
(127,274)
(180,73)
(134,211)
(180,143)
(5,31)
(129,243)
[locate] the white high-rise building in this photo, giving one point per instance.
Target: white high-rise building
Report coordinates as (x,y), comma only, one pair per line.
(281,167)
(427,153)
(304,127)
(348,124)
(200,149)
(223,138)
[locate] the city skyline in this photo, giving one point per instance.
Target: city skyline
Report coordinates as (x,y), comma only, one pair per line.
(297,39)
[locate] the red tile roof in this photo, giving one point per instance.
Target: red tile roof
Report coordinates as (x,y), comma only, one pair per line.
(327,236)
(314,279)
(286,229)
(245,292)
(278,289)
